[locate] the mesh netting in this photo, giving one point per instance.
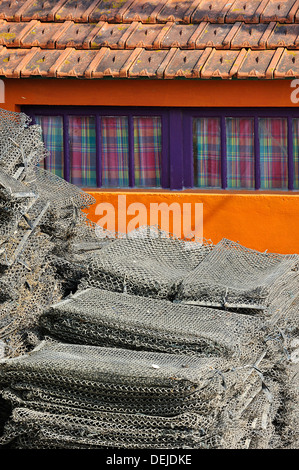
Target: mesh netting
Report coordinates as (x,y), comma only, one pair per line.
(234,276)
(146,263)
(102,317)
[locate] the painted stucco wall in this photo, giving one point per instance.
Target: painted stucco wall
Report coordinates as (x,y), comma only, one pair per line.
(263,221)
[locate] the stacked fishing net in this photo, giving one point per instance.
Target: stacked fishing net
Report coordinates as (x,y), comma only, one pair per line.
(233,276)
(106,318)
(149,262)
(68,395)
(40,218)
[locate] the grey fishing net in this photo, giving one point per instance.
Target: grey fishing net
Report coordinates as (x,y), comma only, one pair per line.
(233,276)
(148,263)
(106,318)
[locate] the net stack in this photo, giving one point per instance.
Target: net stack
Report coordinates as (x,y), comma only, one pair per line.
(40,218)
(139,340)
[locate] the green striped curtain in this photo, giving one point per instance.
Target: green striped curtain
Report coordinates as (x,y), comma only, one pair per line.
(52,134)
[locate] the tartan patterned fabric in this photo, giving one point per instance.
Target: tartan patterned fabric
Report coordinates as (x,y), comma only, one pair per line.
(296,152)
(115,151)
(240,153)
(273,134)
(147,151)
(207,152)
(82,134)
(52,134)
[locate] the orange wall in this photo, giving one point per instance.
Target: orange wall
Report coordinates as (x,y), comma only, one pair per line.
(258,220)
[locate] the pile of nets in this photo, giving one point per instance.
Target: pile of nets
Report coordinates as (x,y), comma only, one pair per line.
(139,340)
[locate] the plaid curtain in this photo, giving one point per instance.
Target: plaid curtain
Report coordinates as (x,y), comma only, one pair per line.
(52,134)
(82,135)
(147,151)
(115,151)
(273,135)
(207,152)
(296,152)
(240,153)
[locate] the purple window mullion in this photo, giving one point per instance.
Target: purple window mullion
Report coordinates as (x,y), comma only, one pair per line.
(290,154)
(66,148)
(131,152)
(223,154)
(98,151)
(165,154)
(188,152)
(176,149)
(257,154)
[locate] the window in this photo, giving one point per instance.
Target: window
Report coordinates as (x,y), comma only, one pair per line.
(176,148)
(105,148)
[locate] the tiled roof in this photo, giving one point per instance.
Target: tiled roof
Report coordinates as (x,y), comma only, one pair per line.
(155,39)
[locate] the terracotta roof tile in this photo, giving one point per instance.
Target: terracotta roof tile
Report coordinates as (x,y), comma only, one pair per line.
(9,8)
(178,35)
(185,64)
(11,32)
(175,10)
(110,10)
(213,12)
(112,35)
(148,63)
(282,11)
(146,36)
(43,35)
(145,12)
(75,63)
(76,35)
(218,36)
(244,10)
(288,65)
(112,63)
(256,64)
(9,61)
(43,11)
(283,35)
(219,64)
(74,10)
(41,63)
(253,36)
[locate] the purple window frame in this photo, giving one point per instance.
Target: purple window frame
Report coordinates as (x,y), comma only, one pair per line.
(98,112)
(177,138)
(222,113)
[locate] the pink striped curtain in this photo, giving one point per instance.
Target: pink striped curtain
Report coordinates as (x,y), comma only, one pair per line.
(147,151)
(207,152)
(273,137)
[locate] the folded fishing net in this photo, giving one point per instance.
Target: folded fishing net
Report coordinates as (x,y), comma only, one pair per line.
(107,318)
(233,276)
(150,264)
(91,386)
